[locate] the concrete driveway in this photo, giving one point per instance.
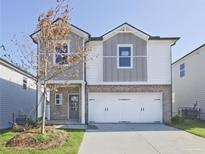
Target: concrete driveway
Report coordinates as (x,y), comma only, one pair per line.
(140,139)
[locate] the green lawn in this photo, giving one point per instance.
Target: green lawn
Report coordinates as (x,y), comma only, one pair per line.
(196,127)
(71,147)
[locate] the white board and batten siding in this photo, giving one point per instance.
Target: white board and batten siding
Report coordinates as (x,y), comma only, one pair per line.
(158,64)
(190,89)
(125,107)
(13,97)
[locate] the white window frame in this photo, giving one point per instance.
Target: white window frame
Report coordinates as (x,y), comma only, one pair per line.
(60,98)
(131,56)
(54,53)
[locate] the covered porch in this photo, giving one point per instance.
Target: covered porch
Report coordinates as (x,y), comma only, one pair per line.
(66,105)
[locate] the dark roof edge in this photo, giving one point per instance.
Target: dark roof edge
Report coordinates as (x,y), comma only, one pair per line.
(188,54)
(96,38)
(163,38)
(18,69)
(81,30)
(150,38)
(31,35)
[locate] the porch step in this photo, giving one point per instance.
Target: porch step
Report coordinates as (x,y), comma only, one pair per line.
(66,124)
(81,126)
(62,122)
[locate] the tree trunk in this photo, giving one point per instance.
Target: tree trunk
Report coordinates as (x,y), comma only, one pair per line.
(44,110)
(45,93)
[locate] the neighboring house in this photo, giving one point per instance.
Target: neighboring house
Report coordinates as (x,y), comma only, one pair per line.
(189,81)
(126,78)
(17,93)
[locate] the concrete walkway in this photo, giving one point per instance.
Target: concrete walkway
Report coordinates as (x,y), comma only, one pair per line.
(140,139)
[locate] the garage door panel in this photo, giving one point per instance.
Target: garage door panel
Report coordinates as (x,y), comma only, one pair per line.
(129,111)
(125,107)
(151,112)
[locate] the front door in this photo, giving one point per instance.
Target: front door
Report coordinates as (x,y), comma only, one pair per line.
(74,107)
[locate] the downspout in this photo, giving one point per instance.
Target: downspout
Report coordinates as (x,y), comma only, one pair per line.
(171,75)
(86,92)
(36,99)
(84,82)
(37,86)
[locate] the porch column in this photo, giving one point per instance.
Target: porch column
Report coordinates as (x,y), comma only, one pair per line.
(83,103)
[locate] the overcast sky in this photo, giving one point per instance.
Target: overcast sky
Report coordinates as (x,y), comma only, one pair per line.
(181,18)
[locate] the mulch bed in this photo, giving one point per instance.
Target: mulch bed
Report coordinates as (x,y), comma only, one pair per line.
(27,140)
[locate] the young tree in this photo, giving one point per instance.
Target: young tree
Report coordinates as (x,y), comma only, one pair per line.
(52,27)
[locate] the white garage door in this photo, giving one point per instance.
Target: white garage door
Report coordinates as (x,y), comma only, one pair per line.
(125,107)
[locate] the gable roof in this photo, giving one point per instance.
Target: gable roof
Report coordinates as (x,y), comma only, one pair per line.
(140,31)
(16,68)
(125,23)
(73,26)
(189,53)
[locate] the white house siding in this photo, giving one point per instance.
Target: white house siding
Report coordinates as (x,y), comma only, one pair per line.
(158,63)
(13,98)
(191,88)
(40,103)
(94,62)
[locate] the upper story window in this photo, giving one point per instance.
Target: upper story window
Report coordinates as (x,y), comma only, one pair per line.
(58,99)
(125,56)
(24,83)
(61,53)
(182,70)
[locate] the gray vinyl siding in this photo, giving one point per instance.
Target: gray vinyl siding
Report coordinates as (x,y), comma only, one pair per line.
(15,99)
(71,73)
(110,70)
(75,72)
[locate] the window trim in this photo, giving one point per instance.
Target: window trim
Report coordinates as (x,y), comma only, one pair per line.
(182,70)
(60,98)
(131,56)
(54,53)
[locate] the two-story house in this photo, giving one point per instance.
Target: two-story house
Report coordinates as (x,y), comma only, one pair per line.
(18,93)
(126,78)
(189,81)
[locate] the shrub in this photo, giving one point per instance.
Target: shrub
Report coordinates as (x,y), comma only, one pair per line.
(30,123)
(43,138)
(38,122)
(177,119)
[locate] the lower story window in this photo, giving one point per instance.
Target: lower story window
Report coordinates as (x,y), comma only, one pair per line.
(58,99)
